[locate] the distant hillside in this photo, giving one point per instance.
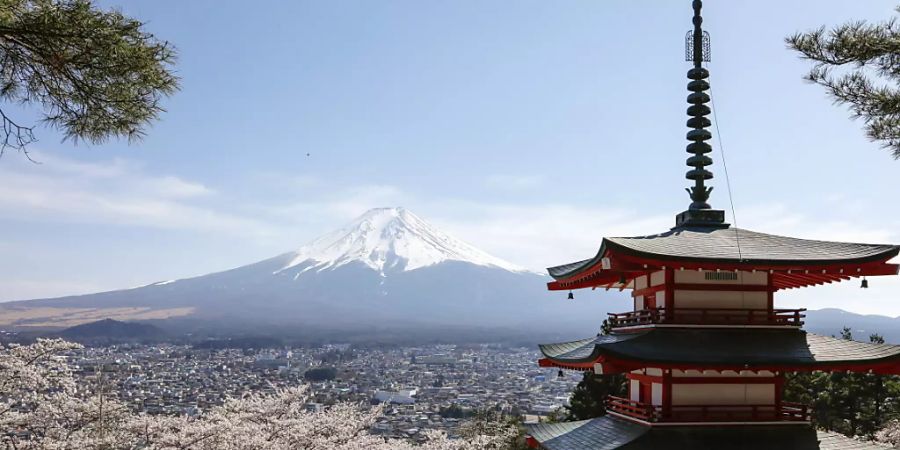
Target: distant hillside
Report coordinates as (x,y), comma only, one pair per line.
(109,329)
(830,321)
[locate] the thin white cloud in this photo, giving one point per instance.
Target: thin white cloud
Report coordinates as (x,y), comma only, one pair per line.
(542,235)
(115,192)
(115,167)
(779,218)
(174,187)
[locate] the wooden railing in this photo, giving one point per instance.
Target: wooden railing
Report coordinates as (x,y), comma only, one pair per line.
(709,316)
(786,412)
(638,410)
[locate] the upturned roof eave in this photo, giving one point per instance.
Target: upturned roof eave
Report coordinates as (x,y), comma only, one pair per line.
(566,272)
(606,352)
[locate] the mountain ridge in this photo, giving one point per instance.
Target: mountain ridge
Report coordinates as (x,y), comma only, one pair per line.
(386,267)
(830,321)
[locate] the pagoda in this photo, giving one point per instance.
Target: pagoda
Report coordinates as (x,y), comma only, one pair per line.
(705,350)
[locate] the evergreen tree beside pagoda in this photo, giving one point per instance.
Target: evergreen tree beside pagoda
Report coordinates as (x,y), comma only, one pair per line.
(855,404)
(588,399)
(858,64)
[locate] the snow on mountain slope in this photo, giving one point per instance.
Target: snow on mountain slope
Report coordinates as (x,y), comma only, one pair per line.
(389,239)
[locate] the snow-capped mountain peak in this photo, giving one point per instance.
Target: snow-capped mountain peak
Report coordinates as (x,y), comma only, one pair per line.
(388,239)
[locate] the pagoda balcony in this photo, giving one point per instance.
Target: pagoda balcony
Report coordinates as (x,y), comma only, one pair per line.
(645,412)
(708,316)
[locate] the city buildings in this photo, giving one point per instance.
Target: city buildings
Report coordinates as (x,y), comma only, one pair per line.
(445,384)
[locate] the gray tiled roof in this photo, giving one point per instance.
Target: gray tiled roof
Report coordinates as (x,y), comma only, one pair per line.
(611,433)
(721,245)
(721,346)
(602,433)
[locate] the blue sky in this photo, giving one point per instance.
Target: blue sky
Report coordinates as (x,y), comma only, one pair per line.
(531,129)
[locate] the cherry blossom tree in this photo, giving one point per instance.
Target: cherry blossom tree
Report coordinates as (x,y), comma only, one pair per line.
(890,434)
(41,407)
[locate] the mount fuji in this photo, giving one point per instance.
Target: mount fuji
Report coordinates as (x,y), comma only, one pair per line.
(387,268)
(389,239)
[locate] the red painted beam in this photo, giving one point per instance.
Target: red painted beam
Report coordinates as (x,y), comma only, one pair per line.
(724,380)
(889,367)
(547,362)
(632,267)
(871,268)
(721,287)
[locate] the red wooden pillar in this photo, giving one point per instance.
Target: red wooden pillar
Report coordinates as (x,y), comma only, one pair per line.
(779,393)
(667,391)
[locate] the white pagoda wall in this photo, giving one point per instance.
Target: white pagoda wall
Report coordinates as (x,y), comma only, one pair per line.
(656,389)
(724,387)
(722,394)
(720,298)
(732,393)
(657,278)
(657,394)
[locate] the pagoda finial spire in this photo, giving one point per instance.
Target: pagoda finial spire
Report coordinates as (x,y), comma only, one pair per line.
(699,213)
(697,44)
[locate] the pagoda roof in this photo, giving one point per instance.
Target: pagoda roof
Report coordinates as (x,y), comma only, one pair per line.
(724,349)
(611,433)
(731,245)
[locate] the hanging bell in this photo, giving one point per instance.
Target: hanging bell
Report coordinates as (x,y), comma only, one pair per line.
(864,284)
(622,279)
(571,296)
(560,375)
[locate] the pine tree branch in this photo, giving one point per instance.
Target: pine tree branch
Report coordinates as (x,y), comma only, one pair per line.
(858,64)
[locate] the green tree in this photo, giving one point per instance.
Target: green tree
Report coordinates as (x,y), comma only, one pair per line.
(320,374)
(856,404)
(454,411)
(95,74)
(858,63)
(588,399)
(606,327)
(812,389)
(880,393)
(589,396)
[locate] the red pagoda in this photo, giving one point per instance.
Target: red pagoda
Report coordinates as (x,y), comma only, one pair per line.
(705,350)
